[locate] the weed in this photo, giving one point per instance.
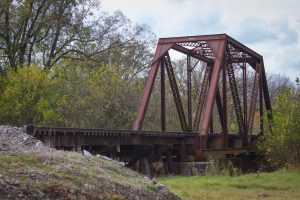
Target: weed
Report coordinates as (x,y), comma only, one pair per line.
(115,197)
(70,176)
(152,187)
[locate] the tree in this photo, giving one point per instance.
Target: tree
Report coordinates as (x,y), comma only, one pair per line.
(78,96)
(47,31)
(282,144)
(94,97)
(277,83)
(28,97)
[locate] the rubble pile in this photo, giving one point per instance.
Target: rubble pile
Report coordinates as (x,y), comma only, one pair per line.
(16,140)
(31,170)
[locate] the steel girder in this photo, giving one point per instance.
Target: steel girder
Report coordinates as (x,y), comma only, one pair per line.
(220,53)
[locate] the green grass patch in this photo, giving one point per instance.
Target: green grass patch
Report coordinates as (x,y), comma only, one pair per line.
(32,162)
(151,187)
(275,185)
(21,159)
(70,176)
(29,161)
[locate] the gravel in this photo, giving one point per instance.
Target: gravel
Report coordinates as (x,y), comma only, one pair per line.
(31,170)
(16,140)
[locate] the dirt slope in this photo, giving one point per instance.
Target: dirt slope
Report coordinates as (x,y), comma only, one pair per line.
(29,170)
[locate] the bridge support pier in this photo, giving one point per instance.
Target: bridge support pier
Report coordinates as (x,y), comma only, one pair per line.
(169,161)
(147,166)
(183,152)
(77,148)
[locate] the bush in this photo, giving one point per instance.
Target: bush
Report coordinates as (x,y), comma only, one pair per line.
(222,166)
(71,95)
(27,97)
(281,145)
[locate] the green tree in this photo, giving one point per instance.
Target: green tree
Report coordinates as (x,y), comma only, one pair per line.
(94,97)
(282,144)
(72,95)
(28,97)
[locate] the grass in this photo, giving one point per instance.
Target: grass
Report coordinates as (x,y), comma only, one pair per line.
(276,185)
(26,160)
(70,167)
(31,162)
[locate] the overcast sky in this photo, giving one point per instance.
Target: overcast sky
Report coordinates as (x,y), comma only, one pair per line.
(269,27)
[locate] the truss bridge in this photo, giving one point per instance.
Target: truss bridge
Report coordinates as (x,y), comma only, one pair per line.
(225,115)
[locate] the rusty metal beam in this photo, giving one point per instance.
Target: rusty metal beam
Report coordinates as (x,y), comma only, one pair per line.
(219,48)
(250,61)
(161,49)
(245,93)
(144,99)
(220,108)
(201,97)
(254,98)
(189,92)
(261,105)
(236,98)
(192,38)
(162,97)
(266,93)
(243,48)
(224,94)
(175,92)
(189,52)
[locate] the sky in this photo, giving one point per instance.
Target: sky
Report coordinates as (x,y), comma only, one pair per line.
(269,27)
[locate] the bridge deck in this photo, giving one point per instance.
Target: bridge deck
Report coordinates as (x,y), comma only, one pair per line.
(83,136)
(70,137)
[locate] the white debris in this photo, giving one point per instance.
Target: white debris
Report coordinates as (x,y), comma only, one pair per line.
(39,144)
(104,157)
(159,186)
(86,153)
(122,164)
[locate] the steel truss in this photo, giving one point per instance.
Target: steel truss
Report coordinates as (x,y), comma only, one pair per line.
(220,53)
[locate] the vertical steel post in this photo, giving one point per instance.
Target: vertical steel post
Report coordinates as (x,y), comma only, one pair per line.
(220,107)
(162,96)
(189,92)
(183,151)
(245,97)
(224,94)
(261,105)
(169,160)
(211,125)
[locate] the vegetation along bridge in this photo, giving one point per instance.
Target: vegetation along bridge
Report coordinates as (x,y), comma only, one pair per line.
(233,91)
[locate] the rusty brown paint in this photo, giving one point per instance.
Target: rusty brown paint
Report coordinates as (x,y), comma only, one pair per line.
(218,48)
